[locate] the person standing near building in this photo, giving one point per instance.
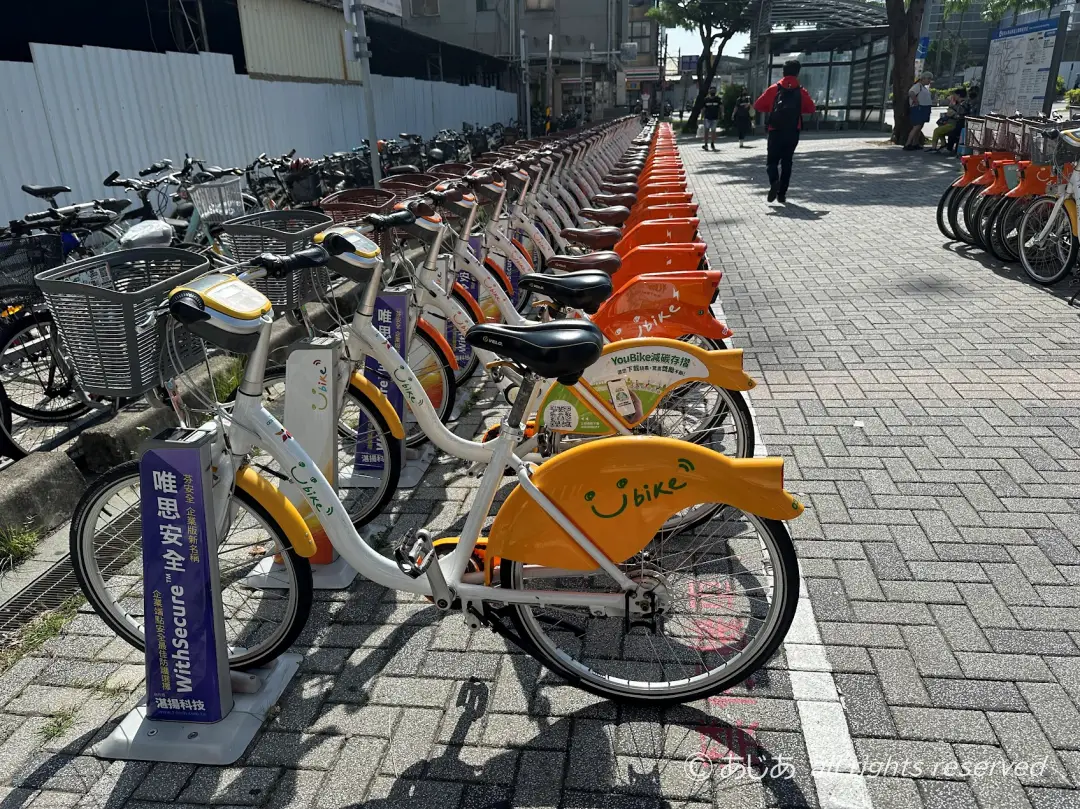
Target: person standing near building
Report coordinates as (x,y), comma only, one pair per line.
(743,117)
(785,102)
(710,112)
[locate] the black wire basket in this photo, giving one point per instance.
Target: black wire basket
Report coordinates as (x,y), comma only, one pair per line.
(21,259)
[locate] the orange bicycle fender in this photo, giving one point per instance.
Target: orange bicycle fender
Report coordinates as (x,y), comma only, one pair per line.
(470,303)
(440,342)
(500,275)
(372,393)
(619,492)
(1070,209)
(526,253)
(278,506)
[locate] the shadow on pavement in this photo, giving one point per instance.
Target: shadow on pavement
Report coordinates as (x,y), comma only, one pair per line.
(861,176)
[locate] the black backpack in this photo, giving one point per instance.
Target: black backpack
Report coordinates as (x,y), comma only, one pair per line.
(787,109)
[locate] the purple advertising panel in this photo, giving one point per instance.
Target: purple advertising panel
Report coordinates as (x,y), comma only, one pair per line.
(183,673)
(390,318)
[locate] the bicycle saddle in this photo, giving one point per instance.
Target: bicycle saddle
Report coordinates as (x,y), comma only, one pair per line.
(45,191)
(585,290)
(560,350)
(604,261)
(619,188)
(613,215)
(593,238)
(407,169)
(627,200)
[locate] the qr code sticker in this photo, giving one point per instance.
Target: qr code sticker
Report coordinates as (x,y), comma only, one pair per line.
(560,416)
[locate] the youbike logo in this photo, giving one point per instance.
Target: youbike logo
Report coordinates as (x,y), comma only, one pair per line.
(321,386)
(700,767)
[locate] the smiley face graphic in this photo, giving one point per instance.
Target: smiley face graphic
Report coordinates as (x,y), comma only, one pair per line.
(590,496)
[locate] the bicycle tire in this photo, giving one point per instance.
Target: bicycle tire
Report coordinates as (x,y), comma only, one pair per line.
(15,332)
(1063,260)
(91,506)
(970,215)
(956,207)
(361,512)
(442,392)
(985,218)
(784,572)
(943,212)
(1006,227)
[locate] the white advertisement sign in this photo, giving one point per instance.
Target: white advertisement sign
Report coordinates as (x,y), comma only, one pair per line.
(1018,68)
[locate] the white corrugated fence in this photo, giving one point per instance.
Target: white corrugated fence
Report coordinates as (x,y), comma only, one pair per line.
(76,114)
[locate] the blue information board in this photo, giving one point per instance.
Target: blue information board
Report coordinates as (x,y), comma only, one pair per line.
(391,319)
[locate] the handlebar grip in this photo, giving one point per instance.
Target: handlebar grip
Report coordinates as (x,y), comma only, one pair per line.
(39,215)
(280,266)
(111,179)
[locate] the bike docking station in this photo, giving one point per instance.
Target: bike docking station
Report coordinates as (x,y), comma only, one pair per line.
(196,710)
(311,391)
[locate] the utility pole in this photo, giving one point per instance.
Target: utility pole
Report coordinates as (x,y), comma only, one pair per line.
(525,83)
(550,79)
(354,17)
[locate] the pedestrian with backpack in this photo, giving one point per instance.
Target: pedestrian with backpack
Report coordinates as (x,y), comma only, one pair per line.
(785,102)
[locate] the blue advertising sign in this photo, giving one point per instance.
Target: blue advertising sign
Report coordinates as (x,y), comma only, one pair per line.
(923,49)
(391,318)
(688,64)
(184,677)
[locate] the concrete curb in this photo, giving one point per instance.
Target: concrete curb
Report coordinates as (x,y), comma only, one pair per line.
(43,489)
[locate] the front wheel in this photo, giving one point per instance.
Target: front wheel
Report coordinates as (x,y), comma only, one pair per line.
(1005,231)
(106,553)
(943,212)
(1048,259)
(432,368)
(956,213)
(724,596)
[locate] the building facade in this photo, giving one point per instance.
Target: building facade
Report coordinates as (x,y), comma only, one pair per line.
(573,47)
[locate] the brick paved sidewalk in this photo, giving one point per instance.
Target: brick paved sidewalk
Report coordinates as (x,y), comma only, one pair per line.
(925,404)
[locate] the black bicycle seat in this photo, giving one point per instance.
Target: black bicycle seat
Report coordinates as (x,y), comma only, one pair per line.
(607,261)
(559,350)
(45,191)
(585,290)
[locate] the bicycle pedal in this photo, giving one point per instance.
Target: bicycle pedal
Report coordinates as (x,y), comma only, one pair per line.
(414,556)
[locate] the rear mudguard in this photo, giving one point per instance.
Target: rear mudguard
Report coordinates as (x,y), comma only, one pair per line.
(654,258)
(648,368)
(663,231)
(471,304)
(620,491)
(671,305)
(440,342)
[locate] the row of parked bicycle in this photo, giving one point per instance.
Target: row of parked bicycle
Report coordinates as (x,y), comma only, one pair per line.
(641,553)
(173,206)
(1017,196)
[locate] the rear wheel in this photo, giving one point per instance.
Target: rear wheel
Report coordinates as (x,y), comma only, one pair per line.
(943,211)
(1051,258)
(725,596)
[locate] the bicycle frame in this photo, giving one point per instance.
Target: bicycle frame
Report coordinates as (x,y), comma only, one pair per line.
(251,426)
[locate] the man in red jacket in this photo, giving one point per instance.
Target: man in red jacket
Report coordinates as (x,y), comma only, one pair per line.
(785,102)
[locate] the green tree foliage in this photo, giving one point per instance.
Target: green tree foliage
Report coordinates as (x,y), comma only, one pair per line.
(716,22)
(998,10)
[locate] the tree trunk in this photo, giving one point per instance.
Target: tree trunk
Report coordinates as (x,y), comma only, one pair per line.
(704,81)
(705,74)
(905,25)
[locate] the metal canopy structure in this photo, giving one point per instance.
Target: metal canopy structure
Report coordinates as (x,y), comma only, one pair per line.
(774,16)
(843,47)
